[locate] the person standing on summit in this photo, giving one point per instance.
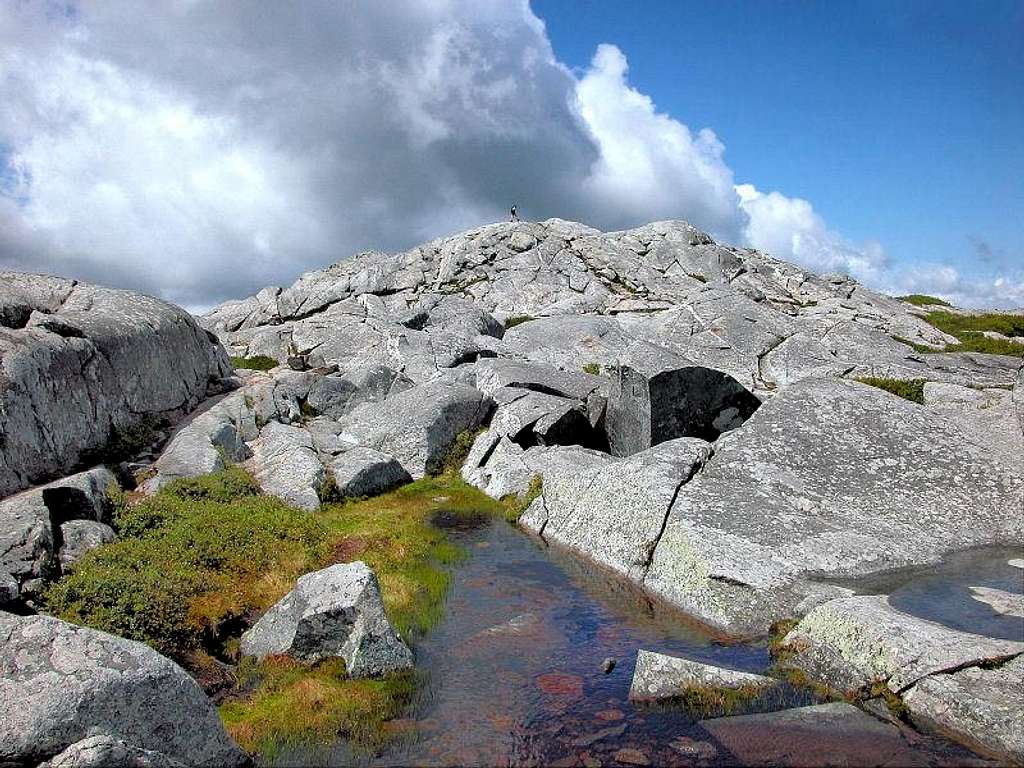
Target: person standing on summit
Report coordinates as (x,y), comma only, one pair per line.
(514,215)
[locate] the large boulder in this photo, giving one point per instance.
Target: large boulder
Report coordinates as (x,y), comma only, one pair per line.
(829,479)
(418,426)
(89,369)
(335,612)
(60,684)
(612,510)
(336,396)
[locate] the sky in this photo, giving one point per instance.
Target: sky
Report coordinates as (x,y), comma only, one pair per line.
(202,150)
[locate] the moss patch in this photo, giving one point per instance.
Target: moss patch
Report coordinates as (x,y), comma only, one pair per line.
(255,363)
(200,560)
(594,369)
(514,504)
(923,300)
(515,320)
(912,389)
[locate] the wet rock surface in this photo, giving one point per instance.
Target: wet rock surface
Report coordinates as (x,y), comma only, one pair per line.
(60,684)
(662,677)
(336,611)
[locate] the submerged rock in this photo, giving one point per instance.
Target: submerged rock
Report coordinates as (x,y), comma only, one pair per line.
(60,684)
(336,611)
(658,677)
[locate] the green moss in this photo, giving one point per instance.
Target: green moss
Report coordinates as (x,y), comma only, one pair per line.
(776,635)
(912,389)
(880,689)
(197,561)
(707,701)
(255,363)
(923,300)
(515,320)
(459,450)
(514,504)
(592,368)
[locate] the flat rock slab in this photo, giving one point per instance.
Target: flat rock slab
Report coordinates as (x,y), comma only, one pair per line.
(980,707)
(108,752)
(334,612)
(828,478)
(822,735)
(853,642)
(60,683)
(659,677)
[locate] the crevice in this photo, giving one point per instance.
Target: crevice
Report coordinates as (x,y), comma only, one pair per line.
(993,662)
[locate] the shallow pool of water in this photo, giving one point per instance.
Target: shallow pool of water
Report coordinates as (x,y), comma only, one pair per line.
(943,592)
(514,676)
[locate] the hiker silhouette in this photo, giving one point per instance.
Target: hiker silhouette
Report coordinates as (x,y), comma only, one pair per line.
(514,214)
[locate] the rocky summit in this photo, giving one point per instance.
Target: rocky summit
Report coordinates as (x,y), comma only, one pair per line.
(710,429)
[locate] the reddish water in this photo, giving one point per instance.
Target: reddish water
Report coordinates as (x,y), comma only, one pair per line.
(514,677)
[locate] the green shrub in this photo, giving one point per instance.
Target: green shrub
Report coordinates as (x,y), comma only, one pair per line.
(515,320)
(923,300)
(912,389)
(456,455)
(255,363)
(592,368)
(230,484)
(968,331)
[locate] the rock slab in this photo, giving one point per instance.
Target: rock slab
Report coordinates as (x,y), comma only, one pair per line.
(60,684)
(659,677)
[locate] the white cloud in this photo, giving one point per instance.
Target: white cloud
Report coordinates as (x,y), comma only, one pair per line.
(201,151)
(789,228)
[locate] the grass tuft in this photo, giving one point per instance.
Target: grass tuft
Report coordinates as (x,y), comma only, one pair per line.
(592,368)
(968,330)
(912,389)
(515,505)
(923,300)
(515,320)
(255,363)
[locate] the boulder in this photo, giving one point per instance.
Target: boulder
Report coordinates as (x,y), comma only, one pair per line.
(613,510)
(336,396)
(334,612)
(852,643)
(659,396)
(533,418)
(108,752)
(660,677)
(60,684)
(286,465)
(91,369)
(979,707)
(829,479)
(79,537)
(419,425)
(493,374)
(30,524)
(366,472)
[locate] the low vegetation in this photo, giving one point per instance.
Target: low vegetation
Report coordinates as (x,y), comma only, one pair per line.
(908,389)
(255,363)
(969,330)
(198,562)
(515,320)
(923,300)
(592,368)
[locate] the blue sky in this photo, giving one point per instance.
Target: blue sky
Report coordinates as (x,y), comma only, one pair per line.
(202,151)
(901,121)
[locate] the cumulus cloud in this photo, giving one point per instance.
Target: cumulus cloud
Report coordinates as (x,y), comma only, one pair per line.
(789,228)
(203,150)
